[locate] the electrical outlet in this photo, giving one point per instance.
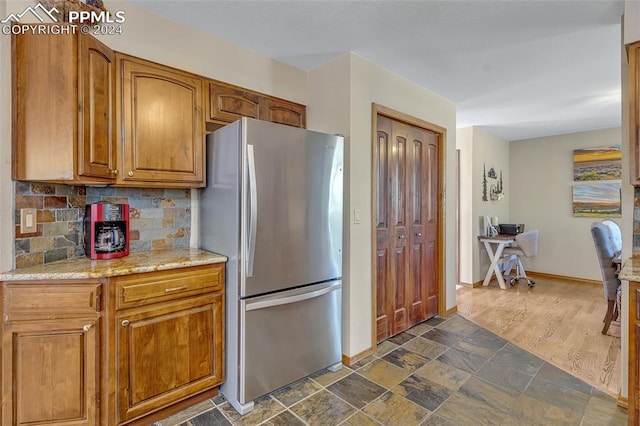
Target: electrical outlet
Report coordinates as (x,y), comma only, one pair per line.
(28,221)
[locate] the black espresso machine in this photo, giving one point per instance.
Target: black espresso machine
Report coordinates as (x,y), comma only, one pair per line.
(106,230)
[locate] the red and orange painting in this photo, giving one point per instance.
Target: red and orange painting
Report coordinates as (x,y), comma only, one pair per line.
(599,163)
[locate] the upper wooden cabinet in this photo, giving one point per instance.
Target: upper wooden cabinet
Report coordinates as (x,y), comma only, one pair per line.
(162,125)
(63,110)
(634,111)
(227,103)
(84,114)
(283,112)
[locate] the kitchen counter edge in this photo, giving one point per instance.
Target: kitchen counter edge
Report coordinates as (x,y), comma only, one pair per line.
(630,270)
(139,262)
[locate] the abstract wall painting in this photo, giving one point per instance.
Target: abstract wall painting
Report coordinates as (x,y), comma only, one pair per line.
(602,199)
(599,163)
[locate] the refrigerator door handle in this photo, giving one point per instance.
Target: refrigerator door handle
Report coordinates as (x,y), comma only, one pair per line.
(253,207)
(291,299)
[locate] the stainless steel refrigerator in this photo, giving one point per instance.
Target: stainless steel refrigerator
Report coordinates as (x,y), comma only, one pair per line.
(273,206)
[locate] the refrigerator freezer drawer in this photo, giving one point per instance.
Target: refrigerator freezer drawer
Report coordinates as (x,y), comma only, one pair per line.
(288,336)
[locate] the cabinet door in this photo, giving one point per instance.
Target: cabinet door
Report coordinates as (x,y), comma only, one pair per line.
(162,125)
(167,353)
(96,151)
(227,104)
(54,371)
(283,112)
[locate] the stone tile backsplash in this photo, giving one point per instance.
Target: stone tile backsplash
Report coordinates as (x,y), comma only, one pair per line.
(159,219)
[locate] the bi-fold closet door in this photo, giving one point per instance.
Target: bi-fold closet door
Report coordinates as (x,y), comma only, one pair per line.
(406,190)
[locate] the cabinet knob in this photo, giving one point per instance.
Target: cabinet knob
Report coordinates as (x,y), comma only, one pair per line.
(130,173)
(401,237)
(125,323)
(86,327)
(419,234)
(114,172)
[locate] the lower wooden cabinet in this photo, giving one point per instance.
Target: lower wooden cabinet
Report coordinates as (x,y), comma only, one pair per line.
(166,353)
(126,350)
(633,391)
(51,371)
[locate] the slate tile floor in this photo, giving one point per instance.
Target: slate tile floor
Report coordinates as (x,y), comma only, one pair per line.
(441,372)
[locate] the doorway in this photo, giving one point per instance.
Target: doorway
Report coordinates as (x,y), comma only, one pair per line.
(408,208)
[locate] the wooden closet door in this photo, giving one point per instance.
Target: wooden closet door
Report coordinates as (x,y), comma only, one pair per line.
(385,290)
(423,203)
(406,226)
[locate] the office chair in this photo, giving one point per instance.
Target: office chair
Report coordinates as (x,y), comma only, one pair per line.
(526,246)
(608,243)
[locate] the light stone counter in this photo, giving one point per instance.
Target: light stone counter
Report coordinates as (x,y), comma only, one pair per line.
(83,268)
(630,270)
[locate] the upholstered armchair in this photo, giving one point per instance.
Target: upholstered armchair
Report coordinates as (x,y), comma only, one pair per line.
(608,242)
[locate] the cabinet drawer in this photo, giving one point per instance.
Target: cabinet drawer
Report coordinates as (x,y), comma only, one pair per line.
(27,301)
(153,287)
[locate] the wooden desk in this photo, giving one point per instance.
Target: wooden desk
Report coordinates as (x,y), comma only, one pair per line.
(500,241)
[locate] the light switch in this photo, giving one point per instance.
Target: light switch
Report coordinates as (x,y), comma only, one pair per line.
(28,221)
(357,215)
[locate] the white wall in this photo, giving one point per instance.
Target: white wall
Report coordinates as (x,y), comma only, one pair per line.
(480,150)
(161,40)
(467,237)
(6,185)
(631,21)
(367,83)
(541,188)
(328,111)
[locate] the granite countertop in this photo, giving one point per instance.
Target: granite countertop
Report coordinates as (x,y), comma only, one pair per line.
(630,270)
(83,268)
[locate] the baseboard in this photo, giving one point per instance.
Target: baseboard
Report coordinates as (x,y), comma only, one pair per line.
(451,311)
(623,402)
(474,285)
(350,360)
(565,278)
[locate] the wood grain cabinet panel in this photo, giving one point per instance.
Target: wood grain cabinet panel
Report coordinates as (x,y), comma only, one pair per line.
(83,352)
(283,112)
(227,103)
(167,340)
(55,372)
(633,391)
(51,361)
(63,110)
(166,353)
(161,112)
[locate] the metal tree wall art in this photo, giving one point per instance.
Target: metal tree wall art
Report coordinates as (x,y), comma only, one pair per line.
(495,189)
(484,183)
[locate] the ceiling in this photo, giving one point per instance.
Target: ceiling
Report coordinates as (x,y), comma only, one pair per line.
(518,68)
